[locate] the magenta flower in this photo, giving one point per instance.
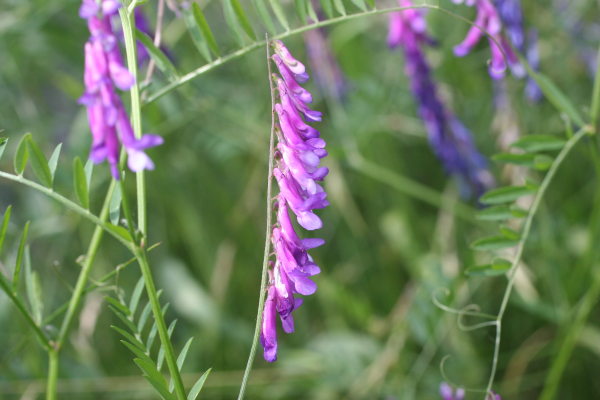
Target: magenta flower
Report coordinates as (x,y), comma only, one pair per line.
(104,70)
(447,392)
(299,153)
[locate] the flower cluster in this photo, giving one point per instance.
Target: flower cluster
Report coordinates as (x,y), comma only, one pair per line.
(450,139)
(489,20)
(299,152)
(448,393)
(104,70)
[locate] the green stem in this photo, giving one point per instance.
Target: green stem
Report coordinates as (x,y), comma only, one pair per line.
(128,22)
(560,362)
(67,203)
(256,45)
(263,282)
(595,107)
(525,235)
(52,375)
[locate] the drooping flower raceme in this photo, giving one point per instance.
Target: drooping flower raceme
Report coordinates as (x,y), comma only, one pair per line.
(450,139)
(104,70)
(299,151)
(489,20)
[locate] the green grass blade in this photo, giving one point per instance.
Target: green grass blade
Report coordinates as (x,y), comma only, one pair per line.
(39,163)
(263,14)
(80,183)
(232,22)
(241,16)
(20,259)
(195,32)
(21,155)
(198,386)
(160,59)
(54,160)
(301,10)
(135,297)
(205,28)
(280,14)
(183,354)
(5,221)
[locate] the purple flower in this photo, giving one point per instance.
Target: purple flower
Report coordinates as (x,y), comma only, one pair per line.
(299,153)
(104,70)
(512,17)
(447,392)
(449,138)
(489,20)
(533,93)
(328,74)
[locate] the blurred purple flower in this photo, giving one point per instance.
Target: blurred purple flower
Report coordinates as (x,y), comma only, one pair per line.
(299,152)
(328,74)
(512,17)
(450,139)
(104,70)
(533,93)
(447,392)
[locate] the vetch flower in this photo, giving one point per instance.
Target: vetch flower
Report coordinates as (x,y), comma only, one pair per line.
(450,140)
(533,93)
(512,17)
(447,392)
(104,70)
(299,153)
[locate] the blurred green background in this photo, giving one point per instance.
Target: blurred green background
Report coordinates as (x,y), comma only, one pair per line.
(371,331)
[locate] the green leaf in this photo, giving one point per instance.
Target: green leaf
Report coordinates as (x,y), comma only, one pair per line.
(556,96)
(180,361)
(20,259)
(123,318)
(371,3)
(505,194)
(130,337)
(115,205)
(327,7)
(144,317)
(5,221)
(54,160)
(488,270)
(88,169)
(34,289)
(526,160)
(280,14)
(198,386)
(160,389)
(39,163)
(121,307)
(518,212)
(301,10)
(360,4)
(509,233)
(161,352)
(152,372)
(80,183)
(160,59)
(531,184)
(494,213)
(119,231)
(493,243)
(232,22)
(204,28)
(194,27)
(535,143)
(543,163)
(138,352)
(3,143)
(135,297)
(339,6)
(241,16)
(310,11)
(154,328)
(265,18)
(22,155)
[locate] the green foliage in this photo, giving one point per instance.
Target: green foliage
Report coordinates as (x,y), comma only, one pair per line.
(80,183)
(160,59)
(39,163)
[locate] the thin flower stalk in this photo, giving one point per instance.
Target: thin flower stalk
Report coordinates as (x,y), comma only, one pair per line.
(299,152)
(104,70)
(449,138)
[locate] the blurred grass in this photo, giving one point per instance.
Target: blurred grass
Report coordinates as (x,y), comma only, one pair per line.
(372,330)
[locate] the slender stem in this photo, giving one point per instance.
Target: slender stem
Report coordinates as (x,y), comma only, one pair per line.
(263,282)
(67,203)
(52,375)
(85,272)
(160,322)
(127,211)
(256,45)
(526,229)
(595,107)
(127,20)
(157,38)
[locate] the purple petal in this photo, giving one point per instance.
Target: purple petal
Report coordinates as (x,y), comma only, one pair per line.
(311,243)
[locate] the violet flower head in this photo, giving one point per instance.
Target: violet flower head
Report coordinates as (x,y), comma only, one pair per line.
(104,70)
(299,153)
(533,93)
(328,73)
(489,20)
(450,140)
(448,393)
(512,17)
